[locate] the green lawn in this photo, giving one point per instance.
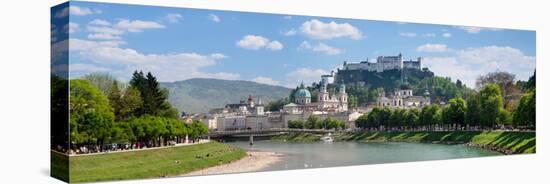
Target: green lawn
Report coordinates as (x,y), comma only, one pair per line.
(516,142)
(151,163)
(297,137)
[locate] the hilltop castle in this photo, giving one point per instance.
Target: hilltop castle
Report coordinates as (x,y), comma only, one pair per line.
(384,63)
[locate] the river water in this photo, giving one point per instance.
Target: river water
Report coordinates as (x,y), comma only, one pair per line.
(316,155)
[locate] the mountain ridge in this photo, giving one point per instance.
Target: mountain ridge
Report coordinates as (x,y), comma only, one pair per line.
(199,95)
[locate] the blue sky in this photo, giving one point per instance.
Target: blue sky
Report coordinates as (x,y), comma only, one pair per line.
(179,43)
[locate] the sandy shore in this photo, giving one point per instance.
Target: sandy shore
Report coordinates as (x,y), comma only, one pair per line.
(254,161)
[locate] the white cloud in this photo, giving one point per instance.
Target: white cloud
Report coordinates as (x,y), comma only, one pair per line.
(75,10)
(218,56)
(329,50)
(430,35)
(173,17)
(266,80)
(87,68)
(468,64)
(290,32)
(101,36)
(316,29)
(288,17)
(167,67)
(274,45)
(100,22)
(447,35)
(214,18)
(71,27)
(407,34)
(254,42)
(475,30)
(137,25)
(432,48)
(320,47)
(306,75)
(104,30)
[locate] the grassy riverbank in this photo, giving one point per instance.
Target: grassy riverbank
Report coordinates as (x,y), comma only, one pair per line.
(504,142)
(151,163)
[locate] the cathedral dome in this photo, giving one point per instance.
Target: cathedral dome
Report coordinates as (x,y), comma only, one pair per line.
(302,93)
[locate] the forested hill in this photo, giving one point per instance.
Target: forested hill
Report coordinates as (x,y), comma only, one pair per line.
(200,95)
(364,86)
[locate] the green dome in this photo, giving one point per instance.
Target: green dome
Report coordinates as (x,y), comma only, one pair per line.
(302,93)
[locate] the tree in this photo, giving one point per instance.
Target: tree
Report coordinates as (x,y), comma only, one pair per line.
(525,114)
(114,99)
(312,122)
(384,117)
(413,117)
(130,102)
(296,124)
(398,118)
(91,116)
(509,92)
(455,112)
(362,121)
(331,123)
(473,110)
(491,104)
(155,99)
(430,115)
(198,129)
(352,101)
(101,81)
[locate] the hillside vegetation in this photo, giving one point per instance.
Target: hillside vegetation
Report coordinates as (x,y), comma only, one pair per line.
(201,95)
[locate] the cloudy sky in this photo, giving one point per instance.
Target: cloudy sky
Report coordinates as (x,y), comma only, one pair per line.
(178,44)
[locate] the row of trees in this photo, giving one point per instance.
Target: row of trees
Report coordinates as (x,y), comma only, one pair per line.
(481,110)
(104,111)
(314,122)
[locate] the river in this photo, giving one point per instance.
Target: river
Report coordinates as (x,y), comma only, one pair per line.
(316,155)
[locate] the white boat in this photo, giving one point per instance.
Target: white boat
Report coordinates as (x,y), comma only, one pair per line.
(327,138)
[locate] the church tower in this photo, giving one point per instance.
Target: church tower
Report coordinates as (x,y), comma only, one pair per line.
(323,94)
(343,97)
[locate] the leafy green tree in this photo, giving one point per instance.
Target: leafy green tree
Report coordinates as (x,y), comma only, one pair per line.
(413,116)
(155,99)
(91,116)
(101,81)
(398,118)
(504,117)
(296,124)
(491,104)
(198,129)
(114,99)
(509,92)
(525,114)
(362,121)
(352,101)
(384,117)
(430,115)
(456,111)
(129,103)
(473,110)
(312,122)
(331,123)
